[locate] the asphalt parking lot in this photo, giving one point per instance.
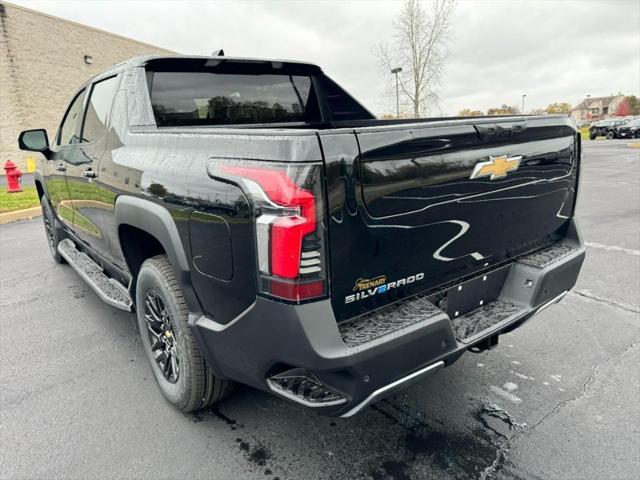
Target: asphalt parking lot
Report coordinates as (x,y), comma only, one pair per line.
(558,398)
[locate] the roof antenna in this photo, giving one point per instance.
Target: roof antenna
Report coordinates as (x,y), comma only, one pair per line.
(218,53)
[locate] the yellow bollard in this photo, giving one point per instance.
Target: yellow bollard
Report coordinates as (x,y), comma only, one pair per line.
(31,165)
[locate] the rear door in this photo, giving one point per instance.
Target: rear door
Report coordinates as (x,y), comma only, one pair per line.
(413,207)
(89,211)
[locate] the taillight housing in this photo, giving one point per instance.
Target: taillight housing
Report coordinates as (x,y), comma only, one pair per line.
(288,201)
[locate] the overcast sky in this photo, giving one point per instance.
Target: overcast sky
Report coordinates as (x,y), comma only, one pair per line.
(549,50)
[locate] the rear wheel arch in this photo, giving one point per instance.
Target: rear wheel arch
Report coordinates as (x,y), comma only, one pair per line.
(146,229)
(137,245)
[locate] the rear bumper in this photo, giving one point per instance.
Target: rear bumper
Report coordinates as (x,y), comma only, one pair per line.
(271,337)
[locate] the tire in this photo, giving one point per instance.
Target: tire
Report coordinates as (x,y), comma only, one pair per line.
(611,135)
(52,230)
(183,377)
(592,136)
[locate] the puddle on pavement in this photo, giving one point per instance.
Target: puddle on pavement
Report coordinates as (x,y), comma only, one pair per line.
(413,448)
(457,454)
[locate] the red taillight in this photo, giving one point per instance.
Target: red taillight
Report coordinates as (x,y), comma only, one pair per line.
(286,245)
(297,291)
(290,241)
(278,186)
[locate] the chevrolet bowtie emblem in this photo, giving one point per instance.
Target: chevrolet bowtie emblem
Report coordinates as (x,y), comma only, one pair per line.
(496,167)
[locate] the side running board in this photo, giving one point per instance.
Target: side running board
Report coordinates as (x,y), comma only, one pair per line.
(109,290)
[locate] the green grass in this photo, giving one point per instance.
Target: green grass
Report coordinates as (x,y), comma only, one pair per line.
(10,202)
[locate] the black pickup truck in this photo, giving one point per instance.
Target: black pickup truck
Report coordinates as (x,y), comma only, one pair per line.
(605,128)
(267,229)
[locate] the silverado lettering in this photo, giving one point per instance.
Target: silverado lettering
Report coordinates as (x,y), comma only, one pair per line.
(381,286)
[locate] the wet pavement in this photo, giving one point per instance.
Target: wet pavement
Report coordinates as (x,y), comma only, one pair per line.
(558,398)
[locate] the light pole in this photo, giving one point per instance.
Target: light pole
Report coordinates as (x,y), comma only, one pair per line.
(523,96)
(396,71)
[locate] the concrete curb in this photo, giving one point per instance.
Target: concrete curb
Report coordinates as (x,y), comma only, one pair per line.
(27,213)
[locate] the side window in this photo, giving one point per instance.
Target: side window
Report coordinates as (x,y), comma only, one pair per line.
(98,108)
(70,124)
(343,106)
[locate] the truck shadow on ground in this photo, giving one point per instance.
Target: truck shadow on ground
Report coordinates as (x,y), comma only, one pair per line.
(391,439)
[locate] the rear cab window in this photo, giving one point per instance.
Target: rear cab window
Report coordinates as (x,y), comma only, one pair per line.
(221,91)
(187,92)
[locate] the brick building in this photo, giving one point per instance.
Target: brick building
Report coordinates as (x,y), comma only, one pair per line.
(43,61)
(596,108)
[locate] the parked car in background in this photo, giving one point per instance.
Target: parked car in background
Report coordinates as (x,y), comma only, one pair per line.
(606,128)
(631,129)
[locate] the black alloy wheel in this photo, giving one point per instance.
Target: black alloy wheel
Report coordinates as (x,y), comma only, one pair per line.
(178,365)
(165,348)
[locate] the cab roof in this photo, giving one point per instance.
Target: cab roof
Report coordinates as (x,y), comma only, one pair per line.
(160,61)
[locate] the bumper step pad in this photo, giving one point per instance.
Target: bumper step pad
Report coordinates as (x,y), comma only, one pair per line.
(547,256)
(108,289)
(482,318)
(387,320)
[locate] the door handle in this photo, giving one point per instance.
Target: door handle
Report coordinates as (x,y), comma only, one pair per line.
(500,130)
(61,168)
(89,173)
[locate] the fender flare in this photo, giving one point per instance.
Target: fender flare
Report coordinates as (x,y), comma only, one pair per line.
(156,220)
(38,177)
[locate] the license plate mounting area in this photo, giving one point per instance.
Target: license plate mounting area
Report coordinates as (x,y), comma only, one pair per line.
(474,293)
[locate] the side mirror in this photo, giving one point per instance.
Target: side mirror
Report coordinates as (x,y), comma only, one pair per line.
(35,141)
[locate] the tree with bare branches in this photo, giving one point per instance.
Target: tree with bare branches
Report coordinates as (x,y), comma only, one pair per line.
(420,48)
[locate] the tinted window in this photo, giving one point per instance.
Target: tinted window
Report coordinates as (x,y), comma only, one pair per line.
(98,108)
(207,98)
(71,123)
(343,106)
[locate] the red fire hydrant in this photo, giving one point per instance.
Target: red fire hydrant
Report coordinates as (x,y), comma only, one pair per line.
(13,177)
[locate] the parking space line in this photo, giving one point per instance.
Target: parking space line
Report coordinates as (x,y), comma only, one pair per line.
(613,248)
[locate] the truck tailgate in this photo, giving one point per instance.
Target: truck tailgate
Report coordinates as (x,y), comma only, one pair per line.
(413,207)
